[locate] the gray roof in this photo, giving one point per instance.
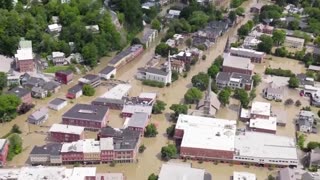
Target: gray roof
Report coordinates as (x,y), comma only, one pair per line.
(76,88)
(238,62)
(107,70)
(40,113)
(287,174)
(38,89)
(315,156)
(20,92)
(272,89)
(50,149)
(122,138)
(146,35)
(51,85)
(156,71)
(125,53)
(91,77)
(107,100)
(86,112)
(226,76)
(33,81)
(316,51)
(57,101)
(138,119)
(66,72)
(303,81)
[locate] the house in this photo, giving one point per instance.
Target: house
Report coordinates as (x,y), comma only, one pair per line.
(75,57)
(199,41)
(178,38)
(39,116)
(51,87)
(24,56)
(266,29)
(177,65)
(148,5)
(234,80)
(255,56)
(243,176)
(273,92)
(256,8)
(23,94)
(108,72)
(30,82)
(58,58)
(39,92)
(293,42)
(90,79)
(172,13)
(250,42)
(149,35)
(57,104)
(115,98)
(54,28)
(93,29)
(64,76)
(74,92)
(314,158)
(4,147)
(13,79)
(66,133)
(48,154)
(91,117)
(185,171)
(137,122)
(129,109)
(237,64)
(126,56)
(171,43)
(311,176)
(305,121)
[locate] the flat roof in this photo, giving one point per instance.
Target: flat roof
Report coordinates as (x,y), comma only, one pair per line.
(117,92)
(86,112)
(265,145)
(107,70)
(238,62)
(69,129)
(85,146)
(41,172)
(2,143)
(125,53)
(261,108)
(79,173)
(57,101)
(20,92)
(314,68)
(147,95)
(180,171)
(268,124)
(207,133)
(106,143)
(138,119)
(290,38)
(24,54)
(243,176)
(132,108)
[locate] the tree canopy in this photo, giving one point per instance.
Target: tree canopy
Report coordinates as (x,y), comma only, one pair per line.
(8,106)
(163,49)
(88,90)
(178,109)
(168,152)
(3,80)
(293,82)
(200,81)
(243,96)
(151,130)
(278,36)
(158,107)
(15,146)
(224,96)
(266,44)
(193,95)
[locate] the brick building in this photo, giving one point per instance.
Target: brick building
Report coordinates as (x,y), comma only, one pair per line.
(64,77)
(66,133)
(90,117)
(90,79)
(129,109)
(23,94)
(255,56)
(4,146)
(48,154)
(237,64)
(24,56)
(137,122)
(126,56)
(74,92)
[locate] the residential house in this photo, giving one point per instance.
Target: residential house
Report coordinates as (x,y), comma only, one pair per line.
(255,56)
(273,92)
(314,158)
(149,35)
(66,133)
(58,58)
(250,42)
(172,13)
(23,94)
(74,92)
(201,41)
(24,56)
(64,77)
(305,121)
(30,82)
(108,72)
(266,29)
(293,42)
(90,79)
(91,117)
(4,147)
(148,5)
(256,8)
(48,154)
(234,80)
(137,122)
(54,29)
(314,68)
(171,43)
(126,56)
(177,65)
(237,64)
(93,29)
(39,92)
(51,87)
(57,104)
(39,116)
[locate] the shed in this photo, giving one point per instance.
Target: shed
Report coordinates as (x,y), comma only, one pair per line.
(57,104)
(39,116)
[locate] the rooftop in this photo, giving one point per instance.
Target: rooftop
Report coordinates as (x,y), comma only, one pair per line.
(246,52)
(39,113)
(5,63)
(107,70)
(85,146)
(106,143)
(86,112)
(243,176)
(76,88)
(238,62)
(89,78)
(125,53)
(264,145)
(65,72)
(180,171)
(261,108)
(314,68)
(50,148)
(117,92)
(146,35)
(207,133)
(295,39)
(267,124)
(138,119)
(20,92)
(2,143)
(122,138)
(69,129)
(133,108)
(228,76)
(57,101)
(147,95)
(157,71)
(110,176)
(57,54)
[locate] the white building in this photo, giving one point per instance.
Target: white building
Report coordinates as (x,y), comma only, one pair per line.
(243,176)
(58,58)
(260,110)
(182,171)
(273,92)
(66,129)
(108,72)
(93,28)
(293,42)
(57,104)
(54,28)
(264,125)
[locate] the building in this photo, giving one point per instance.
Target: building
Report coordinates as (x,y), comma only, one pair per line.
(251,42)
(305,121)
(58,58)
(149,36)
(51,87)
(4,147)
(48,154)
(234,80)
(288,174)
(314,68)
(110,176)
(265,149)
(39,92)
(94,29)
(57,104)
(108,72)
(147,98)
(237,64)
(182,171)
(115,98)
(293,42)
(177,65)
(66,133)
(260,110)
(24,56)
(205,138)
(273,92)
(54,28)
(137,122)
(74,92)
(90,79)
(64,77)
(243,176)
(39,116)
(311,176)
(304,80)
(126,56)
(173,14)
(6,63)
(23,94)
(314,158)
(256,8)
(264,125)
(89,116)
(264,28)
(129,109)
(255,56)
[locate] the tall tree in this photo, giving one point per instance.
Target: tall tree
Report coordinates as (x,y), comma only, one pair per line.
(278,36)
(224,96)
(133,14)
(3,80)
(266,44)
(200,81)
(193,95)
(89,53)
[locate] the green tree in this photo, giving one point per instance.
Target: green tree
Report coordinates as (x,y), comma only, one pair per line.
(293,25)
(163,49)
(170,130)
(252,94)
(200,81)
(317,40)
(6,4)
(281,52)
(133,14)
(213,70)
(151,130)
(15,129)
(232,16)
(293,82)
(3,80)
(270,177)
(266,44)
(178,109)
(240,11)
(189,42)
(8,107)
(312,145)
(155,24)
(256,80)
(224,96)
(158,107)
(243,96)
(135,41)
(198,19)
(300,141)
(174,76)
(153,177)
(193,95)
(142,148)
(89,53)
(15,146)
(278,36)
(88,90)
(168,152)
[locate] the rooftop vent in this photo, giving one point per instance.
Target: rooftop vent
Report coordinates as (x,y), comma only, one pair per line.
(85,111)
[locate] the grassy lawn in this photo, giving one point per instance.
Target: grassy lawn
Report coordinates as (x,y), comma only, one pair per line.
(53,69)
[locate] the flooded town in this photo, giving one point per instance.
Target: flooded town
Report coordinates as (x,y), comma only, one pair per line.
(159,90)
